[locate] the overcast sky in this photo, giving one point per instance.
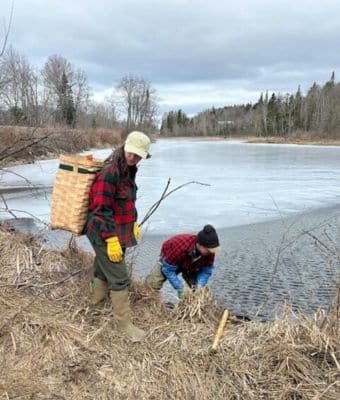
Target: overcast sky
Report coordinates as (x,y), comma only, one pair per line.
(197,54)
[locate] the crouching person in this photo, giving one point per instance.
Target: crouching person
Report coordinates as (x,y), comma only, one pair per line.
(192,256)
(112,228)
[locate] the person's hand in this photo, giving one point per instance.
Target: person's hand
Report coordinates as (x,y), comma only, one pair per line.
(180,292)
(183,292)
(114,249)
(136,231)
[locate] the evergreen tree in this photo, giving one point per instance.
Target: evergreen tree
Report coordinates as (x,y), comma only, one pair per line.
(65,109)
(312,111)
(318,111)
(170,122)
(272,115)
(297,113)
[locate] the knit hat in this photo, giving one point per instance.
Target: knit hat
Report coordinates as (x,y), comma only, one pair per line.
(208,238)
(137,143)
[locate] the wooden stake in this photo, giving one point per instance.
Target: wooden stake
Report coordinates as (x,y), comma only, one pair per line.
(220,328)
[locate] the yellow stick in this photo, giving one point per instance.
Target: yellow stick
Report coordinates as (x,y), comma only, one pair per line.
(220,328)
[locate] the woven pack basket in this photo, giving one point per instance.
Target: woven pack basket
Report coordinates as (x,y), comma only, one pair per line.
(70,196)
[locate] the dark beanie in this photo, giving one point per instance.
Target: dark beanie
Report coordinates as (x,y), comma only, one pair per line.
(207,237)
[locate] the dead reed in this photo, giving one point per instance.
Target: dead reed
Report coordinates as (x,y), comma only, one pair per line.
(53,345)
(24,144)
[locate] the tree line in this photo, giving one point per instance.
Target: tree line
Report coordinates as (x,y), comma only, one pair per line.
(58,94)
(317,113)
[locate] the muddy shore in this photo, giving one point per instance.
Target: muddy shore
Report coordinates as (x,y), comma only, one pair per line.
(261,266)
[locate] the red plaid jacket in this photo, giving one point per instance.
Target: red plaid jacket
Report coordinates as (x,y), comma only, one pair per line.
(178,250)
(112,209)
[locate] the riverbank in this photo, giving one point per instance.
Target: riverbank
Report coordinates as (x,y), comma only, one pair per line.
(307,140)
(53,345)
(23,145)
(261,266)
(27,153)
(295,140)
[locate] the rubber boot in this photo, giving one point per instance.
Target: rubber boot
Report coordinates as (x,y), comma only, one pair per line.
(99,291)
(156,278)
(121,308)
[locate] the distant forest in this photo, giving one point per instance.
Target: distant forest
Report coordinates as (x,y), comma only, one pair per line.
(58,94)
(316,114)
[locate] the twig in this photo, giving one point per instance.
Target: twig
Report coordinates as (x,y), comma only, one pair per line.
(48,285)
(8,171)
(335,360)
(164,195)
(5,151)
(320,242)
(7,30)
(55,283)
(12,212)
(6,207)
(3,157)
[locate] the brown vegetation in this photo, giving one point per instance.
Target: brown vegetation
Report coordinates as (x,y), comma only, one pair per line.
(54,346)
(22,144)
(299,137)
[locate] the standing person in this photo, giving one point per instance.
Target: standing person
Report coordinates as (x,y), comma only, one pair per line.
(190,255)
(112,227)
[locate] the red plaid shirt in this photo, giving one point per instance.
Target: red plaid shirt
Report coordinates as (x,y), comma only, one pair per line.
(179,251)
(112,209)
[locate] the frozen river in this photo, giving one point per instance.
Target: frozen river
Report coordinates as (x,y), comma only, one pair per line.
(248,183)
(261,198)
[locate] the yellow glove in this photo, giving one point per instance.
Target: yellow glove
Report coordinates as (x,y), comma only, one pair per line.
(114,249)
(136,231)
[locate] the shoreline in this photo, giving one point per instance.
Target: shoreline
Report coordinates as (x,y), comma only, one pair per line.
(262,265)
(265,264)
(257,139)
(46,305)
(245,139)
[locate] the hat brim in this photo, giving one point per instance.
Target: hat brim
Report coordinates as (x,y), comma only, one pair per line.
(215,250)
(135,150)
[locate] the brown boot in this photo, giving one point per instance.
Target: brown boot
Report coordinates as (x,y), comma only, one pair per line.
(156,278)
(99,291)
(121,308)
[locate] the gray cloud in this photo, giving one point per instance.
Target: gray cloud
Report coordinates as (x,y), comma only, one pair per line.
(227,48)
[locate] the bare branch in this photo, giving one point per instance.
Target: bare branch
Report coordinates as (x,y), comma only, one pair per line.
(7,208)
(164,195)
(7,30)
(31,144)
(12,211)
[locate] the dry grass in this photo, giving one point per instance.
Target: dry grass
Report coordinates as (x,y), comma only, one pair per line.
(22,144)
(311,138)
(54,346)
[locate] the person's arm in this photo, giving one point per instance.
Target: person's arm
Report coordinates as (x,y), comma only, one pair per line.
(203,276)
(169,271)
(102,193)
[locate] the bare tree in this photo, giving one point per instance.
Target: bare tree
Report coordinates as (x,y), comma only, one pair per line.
(52,80)
(61,82)
(103,114)
(18,91)
(6,28)
(3,43)
(138,101)
(81,92)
